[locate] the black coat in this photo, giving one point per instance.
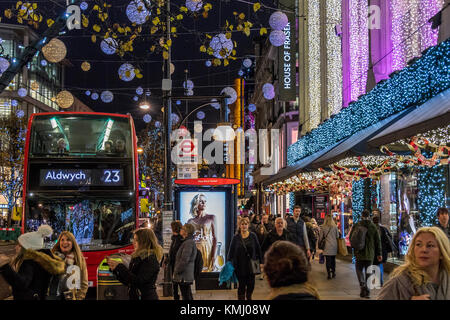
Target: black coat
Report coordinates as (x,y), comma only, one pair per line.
(272,237)
(140,276)
(238,257)
(32,280)
(177,240)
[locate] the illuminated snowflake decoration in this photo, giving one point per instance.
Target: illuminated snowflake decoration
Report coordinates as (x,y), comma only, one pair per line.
(83,5)
(157,124)
(22,92)
(20,113)
(135,98)
(208,63)
(278,20)
(231,92)
(247,63)
(107,96)
(268,91)
(109,46)
(252,107)
(215,104)
(87,92)
(277,38)
(194,5)
(139,90)
(200,115)
(222,47)
(126,72)
(14,103)
(94,96)
(137,12)
(147,118)
(4,64)
(240,73)
(269,95)
(188,85)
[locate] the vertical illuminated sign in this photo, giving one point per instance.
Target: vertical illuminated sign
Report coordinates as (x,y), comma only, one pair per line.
(287,86)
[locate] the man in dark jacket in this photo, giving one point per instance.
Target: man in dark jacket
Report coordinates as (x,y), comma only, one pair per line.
(297,229)
(442,215)
(267,223)
(387,245)
(279,233)
(177,239)
(365,256)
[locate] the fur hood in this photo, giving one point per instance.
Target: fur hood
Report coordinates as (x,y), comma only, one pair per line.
(304,288)
(51,264)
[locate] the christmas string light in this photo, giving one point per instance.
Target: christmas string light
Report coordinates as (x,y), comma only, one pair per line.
(314,78)
(334,57)
(431,195)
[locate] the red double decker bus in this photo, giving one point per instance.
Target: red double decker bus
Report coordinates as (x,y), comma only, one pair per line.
(81,175)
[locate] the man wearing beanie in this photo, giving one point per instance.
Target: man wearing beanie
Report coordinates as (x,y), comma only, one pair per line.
(30,271)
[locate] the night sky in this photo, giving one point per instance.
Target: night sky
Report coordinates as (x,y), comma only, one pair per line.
(185,55)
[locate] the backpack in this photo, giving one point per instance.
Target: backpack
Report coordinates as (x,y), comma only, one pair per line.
(198,266)
(358,237)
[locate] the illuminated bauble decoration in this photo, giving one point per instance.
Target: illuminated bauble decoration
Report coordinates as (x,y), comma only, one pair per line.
(14,103)
(34,86)
(269,95)
(4,64)
(200,115)
(278,20)
(222,47)
(22,92)
(20,113)
(139,90)
(147,118)
(94,96)
(83,5)
(194,5)
(107,96)
(231,92)
(54,51)
(215,104)
(175,118)
(240,73)
(109,46)
(190,93)
(178,102)
(208,63)
(44,63)
(277,38)
(157,124)
(126,72)
(188,85)
(247,63)
(137,12)
(252,107)
(135,98)
(87,92)
(267,87)
(85,66)
(64,99)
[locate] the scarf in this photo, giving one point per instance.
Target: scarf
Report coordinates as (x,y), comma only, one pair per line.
(294,288)
(69,259)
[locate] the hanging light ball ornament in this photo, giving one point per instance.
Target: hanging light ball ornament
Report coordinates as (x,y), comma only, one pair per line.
(178,102)
(64,99)
(268,87)
(222,47)
(14,103)
(147,118)
(109,46)
(94,96)
(20,113)
(107,96)
(34,86)
(175,118)
(190,93)
(252,107)
(278,20)
(277,38)
(231,92)
(200,115)
(4,64)
(137,12)
(54,51)
(215,104)
(87,92)
(194,5)
(240,73)
(188,85)
(269,95)
(44,63)
(148,93)
(135,98)
(85,66)
(22,92)
(157,124)
(139,90)
(83,5)
(247,63)
(126,72)
(208,63)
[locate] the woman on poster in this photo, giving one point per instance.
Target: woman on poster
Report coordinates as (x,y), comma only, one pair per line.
(205,231)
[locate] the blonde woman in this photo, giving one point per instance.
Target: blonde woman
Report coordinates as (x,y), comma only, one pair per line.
(143,270)
(330,233)
(68,249)
(426,272)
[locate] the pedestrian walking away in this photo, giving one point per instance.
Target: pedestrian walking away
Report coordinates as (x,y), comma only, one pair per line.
(329,235)
(141,275)
(366,242)
(425,275)
(286,269)
(30,271)
(244,248)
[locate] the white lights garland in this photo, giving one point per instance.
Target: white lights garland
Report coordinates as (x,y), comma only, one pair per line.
(314,91)
(334,57)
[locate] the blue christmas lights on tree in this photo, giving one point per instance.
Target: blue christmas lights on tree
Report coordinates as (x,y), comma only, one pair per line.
(357,199)
(412,86)
(431,196)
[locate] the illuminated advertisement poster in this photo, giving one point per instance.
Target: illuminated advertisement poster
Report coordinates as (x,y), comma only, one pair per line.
(206,211)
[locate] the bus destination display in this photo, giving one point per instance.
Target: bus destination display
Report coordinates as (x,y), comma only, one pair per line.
(81,177)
